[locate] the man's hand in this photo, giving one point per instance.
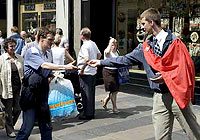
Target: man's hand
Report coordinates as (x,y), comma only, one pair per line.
(70,66)
(50,78)
(158,79)
(94,63)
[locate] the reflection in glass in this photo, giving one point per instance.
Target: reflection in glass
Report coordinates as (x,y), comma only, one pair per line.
(30,22)
(48,19)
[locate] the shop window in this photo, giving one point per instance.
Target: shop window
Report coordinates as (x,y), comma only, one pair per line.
(48,19)
(30,21)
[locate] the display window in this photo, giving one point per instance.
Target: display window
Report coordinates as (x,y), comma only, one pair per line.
(30,21)
(48,19)
(194,29)
(34,15)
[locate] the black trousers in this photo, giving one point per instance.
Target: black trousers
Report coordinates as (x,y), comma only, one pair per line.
(87,85)
(12,110)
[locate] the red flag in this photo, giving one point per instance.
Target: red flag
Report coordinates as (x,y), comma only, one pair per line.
(177,69)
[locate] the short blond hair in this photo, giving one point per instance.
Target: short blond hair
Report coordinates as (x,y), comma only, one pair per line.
(152,14)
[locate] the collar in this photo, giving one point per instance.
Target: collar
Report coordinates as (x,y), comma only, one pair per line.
(161,35)
(168,40)
(86,40)
(40,50)
(170,36)
(7,56)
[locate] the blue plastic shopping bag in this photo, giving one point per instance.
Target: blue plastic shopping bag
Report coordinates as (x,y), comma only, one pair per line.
(61,99)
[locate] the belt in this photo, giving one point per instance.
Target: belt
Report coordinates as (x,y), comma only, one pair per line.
(159,91)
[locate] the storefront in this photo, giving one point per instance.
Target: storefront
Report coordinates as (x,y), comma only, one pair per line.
(121,16)
(181,16)
(127,15)
(37,14)
(3,17)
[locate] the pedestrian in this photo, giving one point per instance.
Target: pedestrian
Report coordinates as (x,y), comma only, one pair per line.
(62,47)
(64,41)
(70,56)
(37,73)
(1,43)
(20,41)
(88,51)
(60,54)
(110,77)
(30,44)
(11,73)
(25,37)
(170,71)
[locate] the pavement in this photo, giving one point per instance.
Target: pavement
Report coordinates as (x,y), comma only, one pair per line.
(132,122)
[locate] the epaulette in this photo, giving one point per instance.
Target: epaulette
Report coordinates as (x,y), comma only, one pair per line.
(34,50)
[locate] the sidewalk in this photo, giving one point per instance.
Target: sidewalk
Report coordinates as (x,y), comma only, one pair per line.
(133,121)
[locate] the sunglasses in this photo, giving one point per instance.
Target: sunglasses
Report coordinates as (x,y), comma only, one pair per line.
(50,39)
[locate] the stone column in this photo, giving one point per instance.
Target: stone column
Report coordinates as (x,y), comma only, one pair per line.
(62,14)
(9,10)
(77,25)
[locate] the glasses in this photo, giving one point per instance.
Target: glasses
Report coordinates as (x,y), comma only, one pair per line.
(50,39)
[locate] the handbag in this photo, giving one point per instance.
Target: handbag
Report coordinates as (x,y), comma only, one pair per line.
(123,75)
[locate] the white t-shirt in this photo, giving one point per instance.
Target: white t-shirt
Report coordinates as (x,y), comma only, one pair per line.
(89,51)
(110,55)
(58,55)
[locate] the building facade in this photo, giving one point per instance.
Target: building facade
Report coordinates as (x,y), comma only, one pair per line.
(116,18)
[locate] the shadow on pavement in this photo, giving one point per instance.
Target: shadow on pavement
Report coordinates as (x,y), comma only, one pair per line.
(100,114)
(124,113)
(140,91)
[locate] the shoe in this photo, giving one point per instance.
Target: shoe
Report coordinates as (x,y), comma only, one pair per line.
(11,135)
(114,111)
(81,117)
(103,105)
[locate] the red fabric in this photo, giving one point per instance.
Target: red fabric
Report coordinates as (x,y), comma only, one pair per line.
(177,69)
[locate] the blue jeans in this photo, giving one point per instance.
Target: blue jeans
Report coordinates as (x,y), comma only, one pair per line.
(29,117)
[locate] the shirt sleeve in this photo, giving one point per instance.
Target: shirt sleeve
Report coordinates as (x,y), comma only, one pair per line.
(33,58)
(129,59)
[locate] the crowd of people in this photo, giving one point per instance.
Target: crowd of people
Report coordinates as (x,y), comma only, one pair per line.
(27,66)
